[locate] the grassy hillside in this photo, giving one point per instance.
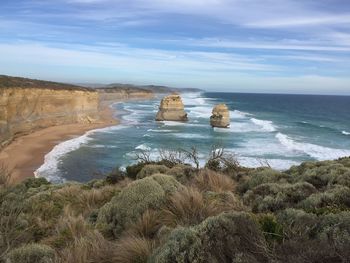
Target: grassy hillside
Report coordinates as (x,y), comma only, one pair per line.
(167,211)
(16,82)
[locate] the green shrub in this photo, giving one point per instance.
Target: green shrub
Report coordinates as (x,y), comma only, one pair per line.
(272,230)
(115,176)
(31,253)
(134,169)
(337,197)
(311,238)
(322,174)
(228,237)
(182,172)
(260,176)
(35,182)
(132,201)
(151,169)
(273,196)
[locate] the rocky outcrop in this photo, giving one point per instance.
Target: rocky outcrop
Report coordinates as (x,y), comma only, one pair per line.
(25,109)
(171,109)
(220,116)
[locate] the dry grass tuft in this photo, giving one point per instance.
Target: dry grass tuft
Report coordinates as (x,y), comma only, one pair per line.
(93,247)
(189,206)
(5,175)
(209,180)
(133,249)
(83,201)
(146,226)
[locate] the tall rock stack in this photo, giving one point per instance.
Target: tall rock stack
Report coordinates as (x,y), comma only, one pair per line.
(220,116)
(171,109)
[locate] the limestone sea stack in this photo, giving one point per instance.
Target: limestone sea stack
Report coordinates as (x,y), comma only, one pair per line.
(220,116)
(171,109)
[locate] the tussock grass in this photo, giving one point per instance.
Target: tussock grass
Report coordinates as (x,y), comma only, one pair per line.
(5,176)
(208,180)
(147,225)
(189,206)
(132,249)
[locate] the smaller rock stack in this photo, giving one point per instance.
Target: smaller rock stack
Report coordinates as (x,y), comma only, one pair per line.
(220,116)
(171,109)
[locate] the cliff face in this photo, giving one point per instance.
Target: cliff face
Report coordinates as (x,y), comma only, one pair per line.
(116,94)
(171,109)
(24,109)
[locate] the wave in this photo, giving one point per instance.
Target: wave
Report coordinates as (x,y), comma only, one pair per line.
(193,99)
(316,151)
(266,125)
(236,114)
(201,112)
(153,130)
(49,169)
(143,147)
(345,133)
(190,136)
(278,164)
(178,123)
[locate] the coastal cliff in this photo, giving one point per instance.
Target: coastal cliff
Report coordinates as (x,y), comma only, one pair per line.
(28,105)
(123,93)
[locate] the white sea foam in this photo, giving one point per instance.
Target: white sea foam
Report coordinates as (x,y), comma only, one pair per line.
(316,151)
(49,169)
(236,114)
(191,136)
(345,133)
(263,147)
(266,125)
(153,130)
(200,112)
(249,125)
(279,164)
(193,99)
(143,147)
(178,123)
(104,146)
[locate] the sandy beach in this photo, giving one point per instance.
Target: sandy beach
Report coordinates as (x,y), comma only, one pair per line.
(26,153)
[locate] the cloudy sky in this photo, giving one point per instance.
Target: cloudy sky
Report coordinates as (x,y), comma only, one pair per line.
(284,46)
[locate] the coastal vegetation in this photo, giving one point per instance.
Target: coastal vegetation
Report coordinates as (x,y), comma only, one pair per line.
(168,210)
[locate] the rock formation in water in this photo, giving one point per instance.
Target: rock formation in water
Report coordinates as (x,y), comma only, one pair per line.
(220,116)
(171,109)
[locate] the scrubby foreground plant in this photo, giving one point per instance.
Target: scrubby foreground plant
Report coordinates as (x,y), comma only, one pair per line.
(171,211)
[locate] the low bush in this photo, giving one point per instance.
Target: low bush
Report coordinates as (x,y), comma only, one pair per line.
(31,253)
(134,200)
(228,237)
(273,196)
(115,176)
(151,169)
(337,197)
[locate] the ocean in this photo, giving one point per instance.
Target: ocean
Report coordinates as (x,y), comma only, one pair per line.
(281,130)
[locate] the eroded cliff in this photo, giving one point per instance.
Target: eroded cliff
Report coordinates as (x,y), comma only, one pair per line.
(123,93)
(27,105)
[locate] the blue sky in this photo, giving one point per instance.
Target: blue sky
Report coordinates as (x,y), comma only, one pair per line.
(284,46)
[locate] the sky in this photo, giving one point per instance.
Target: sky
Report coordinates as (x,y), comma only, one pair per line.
(268,46)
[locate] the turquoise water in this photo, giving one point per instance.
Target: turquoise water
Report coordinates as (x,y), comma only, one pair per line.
(282,130)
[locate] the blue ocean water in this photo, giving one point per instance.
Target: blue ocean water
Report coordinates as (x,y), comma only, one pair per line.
(282,130)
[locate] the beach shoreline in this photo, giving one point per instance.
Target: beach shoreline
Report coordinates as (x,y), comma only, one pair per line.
(26,154)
